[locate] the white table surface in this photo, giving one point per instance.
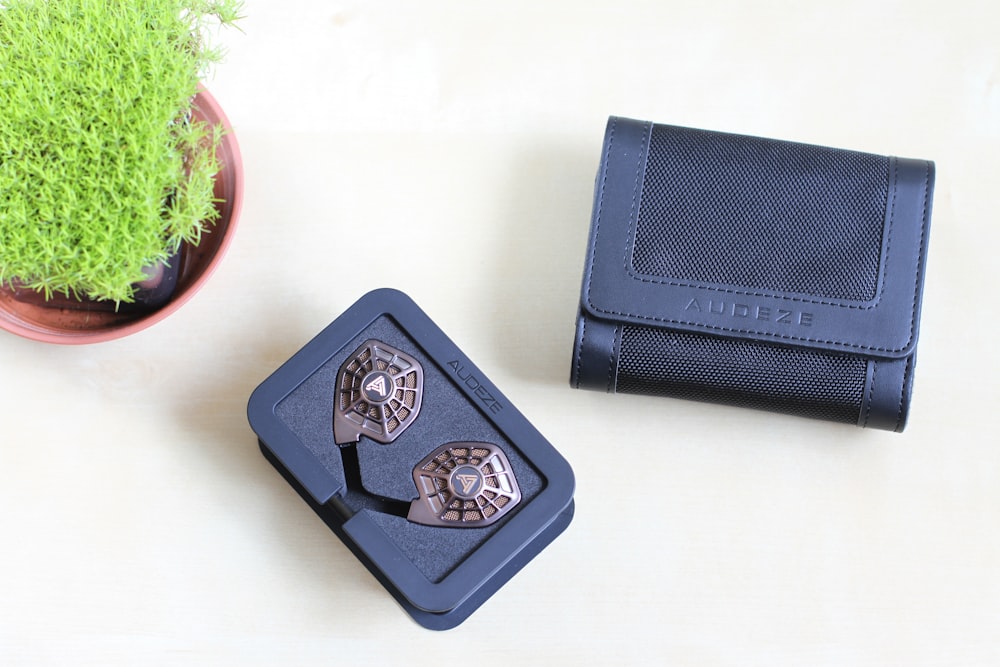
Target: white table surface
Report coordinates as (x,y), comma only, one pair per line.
(459,140)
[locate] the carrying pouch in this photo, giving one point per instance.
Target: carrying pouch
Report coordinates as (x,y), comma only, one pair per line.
(754,272)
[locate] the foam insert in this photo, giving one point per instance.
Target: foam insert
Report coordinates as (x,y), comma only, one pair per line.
(446,415)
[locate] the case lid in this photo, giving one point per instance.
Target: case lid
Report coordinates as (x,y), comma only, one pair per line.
(756,238)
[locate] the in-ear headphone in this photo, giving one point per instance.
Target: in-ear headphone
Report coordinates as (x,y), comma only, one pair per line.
(464,484)
(379,391)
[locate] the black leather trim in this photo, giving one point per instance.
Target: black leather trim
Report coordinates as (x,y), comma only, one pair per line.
(595,354)
(888,397)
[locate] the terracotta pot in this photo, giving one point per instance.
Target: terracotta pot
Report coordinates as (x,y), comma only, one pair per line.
(80,323)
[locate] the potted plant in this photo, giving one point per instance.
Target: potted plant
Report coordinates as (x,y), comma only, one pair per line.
(117,169)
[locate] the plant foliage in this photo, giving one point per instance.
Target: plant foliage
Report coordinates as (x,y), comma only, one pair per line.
(102,171)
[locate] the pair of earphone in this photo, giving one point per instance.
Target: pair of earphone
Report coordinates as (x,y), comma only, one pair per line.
(378,396)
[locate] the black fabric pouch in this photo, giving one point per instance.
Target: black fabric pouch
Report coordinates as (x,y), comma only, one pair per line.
(754,272)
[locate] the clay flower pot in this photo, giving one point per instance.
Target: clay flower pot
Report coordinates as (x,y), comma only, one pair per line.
(72,323)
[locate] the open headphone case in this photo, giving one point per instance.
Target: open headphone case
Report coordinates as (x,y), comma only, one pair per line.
(413,458)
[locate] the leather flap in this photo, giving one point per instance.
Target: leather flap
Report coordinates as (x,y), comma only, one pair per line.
(619,286)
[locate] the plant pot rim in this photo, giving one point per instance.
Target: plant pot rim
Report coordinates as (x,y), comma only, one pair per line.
(18,319)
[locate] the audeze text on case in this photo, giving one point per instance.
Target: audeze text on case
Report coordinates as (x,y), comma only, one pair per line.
(747,311)
(470,381)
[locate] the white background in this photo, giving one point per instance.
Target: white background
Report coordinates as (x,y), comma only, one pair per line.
(456,144)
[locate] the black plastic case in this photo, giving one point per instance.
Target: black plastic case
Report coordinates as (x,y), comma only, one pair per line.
(438,574)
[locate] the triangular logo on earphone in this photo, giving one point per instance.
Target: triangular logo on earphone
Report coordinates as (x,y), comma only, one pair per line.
(468,482)
(377,386)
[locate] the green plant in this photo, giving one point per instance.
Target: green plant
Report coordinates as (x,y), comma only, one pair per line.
(102,170)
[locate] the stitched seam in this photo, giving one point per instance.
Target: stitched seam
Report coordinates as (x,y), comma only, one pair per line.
(920,249)
(871,390)
(579,349)
(616,345)
(633,215)
(902,393)
(761,333)
(611,362)
(769,334)
(600,209)
(597,230)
